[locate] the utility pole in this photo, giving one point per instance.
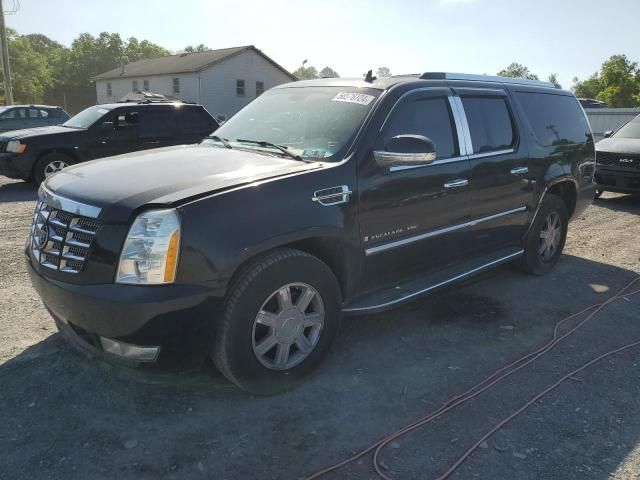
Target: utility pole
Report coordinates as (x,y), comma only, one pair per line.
(8,91)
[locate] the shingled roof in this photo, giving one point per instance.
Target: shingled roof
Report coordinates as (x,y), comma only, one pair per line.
(181,63)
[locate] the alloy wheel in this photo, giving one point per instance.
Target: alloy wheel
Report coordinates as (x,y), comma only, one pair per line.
(550,236)
(54,167)
(288,326)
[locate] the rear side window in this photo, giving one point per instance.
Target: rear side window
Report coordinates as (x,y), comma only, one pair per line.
(555,119)
(159,123)
(196,120)
(489,123)
(429,117)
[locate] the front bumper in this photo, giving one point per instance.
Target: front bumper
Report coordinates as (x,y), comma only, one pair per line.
(177,318)
(16,165)
(618,181)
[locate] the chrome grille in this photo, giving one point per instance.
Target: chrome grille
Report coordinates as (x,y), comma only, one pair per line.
(61,240)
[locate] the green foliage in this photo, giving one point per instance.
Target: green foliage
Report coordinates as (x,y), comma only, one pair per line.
(306,73)
(328,72)
(517,70)
(383,72)
(553,78)
(199,48)
(617,83)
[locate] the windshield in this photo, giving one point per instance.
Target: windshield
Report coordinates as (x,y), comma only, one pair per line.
(315,123)
(630,130)
(86,117)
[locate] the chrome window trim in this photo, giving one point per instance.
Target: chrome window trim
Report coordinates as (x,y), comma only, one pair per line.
(411,92)
(71,206)
(465,125)
(492,153)
(437,285)
(423,236)
(457,119)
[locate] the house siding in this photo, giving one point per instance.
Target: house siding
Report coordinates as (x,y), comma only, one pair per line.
(214,87)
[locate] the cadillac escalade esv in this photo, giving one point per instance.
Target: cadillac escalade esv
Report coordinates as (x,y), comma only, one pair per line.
(318,199)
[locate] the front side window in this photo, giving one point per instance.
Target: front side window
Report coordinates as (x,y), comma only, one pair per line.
(555,119)
(126,120)
(630,130)
(313,122)
(176,85)
(429,117)
(240,88)
(490,123)
(86,117)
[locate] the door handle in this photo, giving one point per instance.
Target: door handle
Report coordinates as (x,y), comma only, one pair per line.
(519,170)
(461,182)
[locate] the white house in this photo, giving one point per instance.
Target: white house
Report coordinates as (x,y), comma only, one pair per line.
(223,80)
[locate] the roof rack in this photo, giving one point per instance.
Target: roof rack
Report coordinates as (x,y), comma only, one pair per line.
(486,78)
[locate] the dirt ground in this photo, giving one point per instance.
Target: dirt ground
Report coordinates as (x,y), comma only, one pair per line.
(63,416)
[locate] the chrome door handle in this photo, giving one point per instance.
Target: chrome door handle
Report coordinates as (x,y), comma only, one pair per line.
(456,183)
(519,170)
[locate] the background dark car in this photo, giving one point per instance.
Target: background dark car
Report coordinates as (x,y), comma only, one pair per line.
(15,117)
(101,131)
(618,160)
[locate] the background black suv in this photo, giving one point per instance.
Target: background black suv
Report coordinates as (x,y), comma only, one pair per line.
(101,131)
(618,160)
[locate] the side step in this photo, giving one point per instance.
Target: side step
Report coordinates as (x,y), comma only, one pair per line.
(380,300)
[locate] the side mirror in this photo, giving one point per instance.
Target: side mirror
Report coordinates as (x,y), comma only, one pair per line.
(406,151)
(608,133)
(106,127)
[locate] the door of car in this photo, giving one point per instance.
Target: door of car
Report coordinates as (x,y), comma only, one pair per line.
(14,119)
(116,133)
(159,127)
(413,217)
(37,117)
(500,178)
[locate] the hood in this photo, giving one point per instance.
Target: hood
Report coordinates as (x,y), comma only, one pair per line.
(36,132)
(166,176)
(619,145)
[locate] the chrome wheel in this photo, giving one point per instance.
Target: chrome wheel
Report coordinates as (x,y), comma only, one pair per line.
(550,236)
(54,167)
(288,326)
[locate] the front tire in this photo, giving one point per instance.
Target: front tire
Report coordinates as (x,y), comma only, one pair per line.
(279,321)
(50,164)
(546,238)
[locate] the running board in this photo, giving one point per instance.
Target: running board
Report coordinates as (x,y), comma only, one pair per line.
(380,300)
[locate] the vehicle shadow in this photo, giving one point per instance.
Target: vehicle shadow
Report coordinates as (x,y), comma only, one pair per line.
(65,416)
(18,192)
(619,202)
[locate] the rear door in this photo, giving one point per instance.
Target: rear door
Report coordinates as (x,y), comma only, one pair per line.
(159,127)
(499,161)
(116,133)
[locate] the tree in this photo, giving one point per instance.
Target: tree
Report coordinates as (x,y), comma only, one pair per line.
(553,78)
(328,72)
(517,70)
(383,72)
(306,73)
(199,48)
(617,83)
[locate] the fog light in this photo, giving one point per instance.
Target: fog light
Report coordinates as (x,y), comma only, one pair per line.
(131,352)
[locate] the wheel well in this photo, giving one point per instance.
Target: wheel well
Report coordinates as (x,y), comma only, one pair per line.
(62,151)
(567,191)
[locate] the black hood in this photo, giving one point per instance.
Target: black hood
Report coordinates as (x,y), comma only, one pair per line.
(167,176)
(27,133)
(619,145)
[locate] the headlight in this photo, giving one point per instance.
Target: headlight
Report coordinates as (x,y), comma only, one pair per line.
(15,146)
(150,252)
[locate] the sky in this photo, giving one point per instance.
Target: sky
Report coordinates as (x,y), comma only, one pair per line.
(568,37)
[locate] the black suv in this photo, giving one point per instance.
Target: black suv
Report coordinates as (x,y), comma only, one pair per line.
(101,131)
(319,198)
(618,160)
(14,117)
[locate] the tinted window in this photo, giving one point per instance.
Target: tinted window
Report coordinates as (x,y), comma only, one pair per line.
(555,119)
(159,123)
(429,117)
(126,120)
(196,120)
(489,123)
(630,130)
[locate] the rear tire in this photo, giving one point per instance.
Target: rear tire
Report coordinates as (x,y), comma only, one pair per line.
(49,164)
(546,237)
(279,320)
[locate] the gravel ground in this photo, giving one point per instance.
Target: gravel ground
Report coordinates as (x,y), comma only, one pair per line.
(63,416)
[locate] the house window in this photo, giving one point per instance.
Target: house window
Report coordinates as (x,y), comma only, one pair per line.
(145,85)
(135,85)
(259,88)
(240,88)
(176,85)
(109,91)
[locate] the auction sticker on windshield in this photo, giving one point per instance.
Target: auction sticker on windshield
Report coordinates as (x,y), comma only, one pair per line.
(350,97)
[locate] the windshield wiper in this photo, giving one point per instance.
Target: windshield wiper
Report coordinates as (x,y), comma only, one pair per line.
(223,141)
(282,148)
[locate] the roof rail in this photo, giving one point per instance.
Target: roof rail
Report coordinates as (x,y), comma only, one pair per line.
(486,78)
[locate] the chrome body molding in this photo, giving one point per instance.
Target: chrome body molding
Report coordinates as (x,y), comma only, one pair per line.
(492,154)
(456,108)
(442,231)
(332,195)
(443,283)
(66,204)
